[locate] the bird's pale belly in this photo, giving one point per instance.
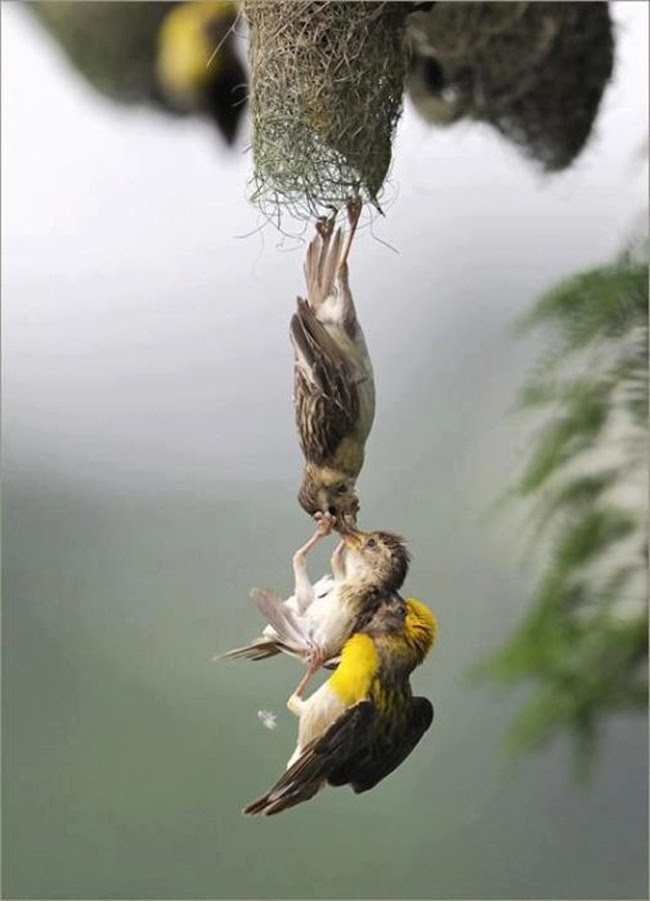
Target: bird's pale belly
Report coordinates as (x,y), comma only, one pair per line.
(331,622)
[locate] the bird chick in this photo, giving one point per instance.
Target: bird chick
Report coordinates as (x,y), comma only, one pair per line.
(364,721)
(314,623)
(334,389)
(288,637)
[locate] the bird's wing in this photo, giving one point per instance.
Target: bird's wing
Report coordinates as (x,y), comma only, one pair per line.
(319,758)
(288,625)
(379,758)
(326,393)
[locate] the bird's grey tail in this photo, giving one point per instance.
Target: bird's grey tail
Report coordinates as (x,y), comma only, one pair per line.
(257,650)
(285,622)
(322,263)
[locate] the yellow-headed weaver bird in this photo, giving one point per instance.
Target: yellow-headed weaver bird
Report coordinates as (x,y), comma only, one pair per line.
(364,721)
(334,389)
(179,58)
(197,66)
(368,568)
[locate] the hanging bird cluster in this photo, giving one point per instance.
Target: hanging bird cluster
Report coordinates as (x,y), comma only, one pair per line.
(363,721)
(326,94)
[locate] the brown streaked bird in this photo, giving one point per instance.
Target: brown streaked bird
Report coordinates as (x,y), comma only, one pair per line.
(334,389)
(364,721)
(367,569)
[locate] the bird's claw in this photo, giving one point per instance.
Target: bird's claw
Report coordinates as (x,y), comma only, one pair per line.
(315,657)
(325,522)
(324,226)
(354,206)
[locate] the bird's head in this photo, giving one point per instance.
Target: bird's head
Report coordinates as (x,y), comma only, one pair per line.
(379,557)
(389,618)
(325,490)
(197,68)
(405,630)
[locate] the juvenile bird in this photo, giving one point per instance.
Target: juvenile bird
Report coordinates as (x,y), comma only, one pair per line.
(269,643)
(334,389)
(364,721)
(367,568)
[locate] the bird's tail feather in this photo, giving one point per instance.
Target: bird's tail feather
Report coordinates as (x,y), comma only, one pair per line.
(275,803)
(321,264)
(257,650)
(284,621)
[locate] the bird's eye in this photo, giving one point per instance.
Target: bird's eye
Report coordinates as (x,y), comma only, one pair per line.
(342,489)
(371,543)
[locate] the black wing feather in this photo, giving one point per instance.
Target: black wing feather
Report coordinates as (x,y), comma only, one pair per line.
(380,757)
(319,758)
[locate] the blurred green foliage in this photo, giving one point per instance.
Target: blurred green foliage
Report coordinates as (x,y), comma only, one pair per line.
(584,640)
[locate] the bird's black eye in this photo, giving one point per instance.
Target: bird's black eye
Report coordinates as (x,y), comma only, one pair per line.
(371,543)
(342,489)
(331,510)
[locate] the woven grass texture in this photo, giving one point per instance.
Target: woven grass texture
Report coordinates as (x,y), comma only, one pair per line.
(327,87)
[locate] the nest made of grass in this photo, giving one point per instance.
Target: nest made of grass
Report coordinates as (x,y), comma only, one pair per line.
(326,95)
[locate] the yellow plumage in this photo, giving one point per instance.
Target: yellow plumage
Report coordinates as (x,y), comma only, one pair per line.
(359,661)
(421,624)
(363,722)
(187,61)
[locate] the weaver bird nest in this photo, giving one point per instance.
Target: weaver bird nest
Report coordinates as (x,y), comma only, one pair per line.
(327,86)
(536,71)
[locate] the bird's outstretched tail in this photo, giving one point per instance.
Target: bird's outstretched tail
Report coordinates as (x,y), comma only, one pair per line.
(270,804)
(322,263)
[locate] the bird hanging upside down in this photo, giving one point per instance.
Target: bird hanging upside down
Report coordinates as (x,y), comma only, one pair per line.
(367,569)
(364,721)
(334,389)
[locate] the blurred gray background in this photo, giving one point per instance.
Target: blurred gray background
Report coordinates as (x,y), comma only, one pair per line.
(151,465)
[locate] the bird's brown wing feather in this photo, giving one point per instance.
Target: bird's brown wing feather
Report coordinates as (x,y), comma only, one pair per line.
(319,758)
(379,758)
(326,395)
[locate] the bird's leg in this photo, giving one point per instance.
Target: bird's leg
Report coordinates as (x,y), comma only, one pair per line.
(303,588)
(337,562)
(295,704)
(354,213)
(324,226)
(315,660)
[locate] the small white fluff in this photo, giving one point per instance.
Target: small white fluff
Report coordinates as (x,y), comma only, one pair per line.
(267,718)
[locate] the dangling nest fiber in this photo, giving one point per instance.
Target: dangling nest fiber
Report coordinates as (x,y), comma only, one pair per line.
(327,85)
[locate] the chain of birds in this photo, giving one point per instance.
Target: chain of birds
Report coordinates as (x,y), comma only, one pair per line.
(364,721)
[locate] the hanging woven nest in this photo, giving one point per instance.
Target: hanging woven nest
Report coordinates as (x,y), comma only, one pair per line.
(327,85)
(534,71)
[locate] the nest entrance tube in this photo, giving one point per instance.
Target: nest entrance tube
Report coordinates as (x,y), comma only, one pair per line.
(327,87)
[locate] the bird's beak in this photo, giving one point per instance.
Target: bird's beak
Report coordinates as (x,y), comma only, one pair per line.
(352,538)
(347,522)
